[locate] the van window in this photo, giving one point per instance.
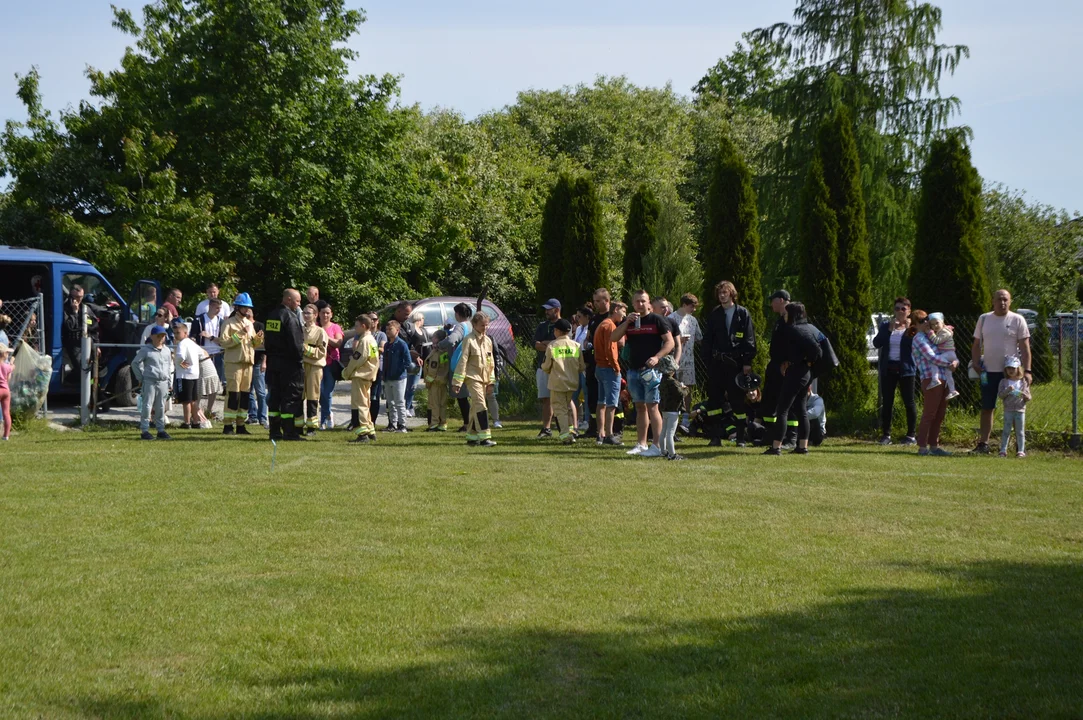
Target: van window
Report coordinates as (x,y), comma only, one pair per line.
(96,291)
(434,316)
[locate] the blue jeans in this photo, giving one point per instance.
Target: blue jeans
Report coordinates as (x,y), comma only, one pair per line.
(411,383)
(1017,421)
(327,386)
(257,398)
(219,361)
(579,398)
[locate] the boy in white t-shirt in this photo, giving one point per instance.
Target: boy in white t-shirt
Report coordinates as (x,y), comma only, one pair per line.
(186,356)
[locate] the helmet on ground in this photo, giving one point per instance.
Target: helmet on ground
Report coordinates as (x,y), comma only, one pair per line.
(749,382)
(242,300)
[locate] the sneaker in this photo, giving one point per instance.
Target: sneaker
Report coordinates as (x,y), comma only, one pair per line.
(431,429)
(676,456)
(145,436)
(939,452)
(487,443)
(409,412)
(799,451)
(163,435)
(885,440)
(361,439)
(583,425)
(205,424)
(462,429)
(773,451)
(498,425)
(980,449)
(613,440)
(683,430)
(741,445)
(311,432)
(545,433)
(923,451)
(788,446)
(401,429)
(389,429)
(652,452)
(569,440)
(330,420)
(599,442)
(441,428)
(1020,454)
(953,394)
(1002,453)
(636,450)
(186,426)
(909,440)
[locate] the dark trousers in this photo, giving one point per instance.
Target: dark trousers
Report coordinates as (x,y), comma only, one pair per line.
(592,401)
(889,380)
(793,400)
(772,387)
(377,393)
(722,386)
(285,391)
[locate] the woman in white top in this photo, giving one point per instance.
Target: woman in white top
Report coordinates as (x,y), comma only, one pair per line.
(897,370)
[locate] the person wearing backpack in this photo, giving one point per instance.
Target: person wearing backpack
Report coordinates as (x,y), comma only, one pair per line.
(804,355)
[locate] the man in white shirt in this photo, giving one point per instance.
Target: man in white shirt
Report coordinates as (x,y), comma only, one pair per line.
(206,329)
(224,310)
(690,335)
(997,335)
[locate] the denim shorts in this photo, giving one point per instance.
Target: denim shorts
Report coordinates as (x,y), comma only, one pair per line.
(643,385)
(989,390)
(608,386)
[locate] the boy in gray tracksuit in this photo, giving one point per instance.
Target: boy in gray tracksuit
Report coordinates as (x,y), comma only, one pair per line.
(153,367)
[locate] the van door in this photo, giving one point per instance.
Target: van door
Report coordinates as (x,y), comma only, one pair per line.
(145,298)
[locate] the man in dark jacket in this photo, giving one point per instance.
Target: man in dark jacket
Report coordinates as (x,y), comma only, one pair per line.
(772,379)
(284,340)
(730,341)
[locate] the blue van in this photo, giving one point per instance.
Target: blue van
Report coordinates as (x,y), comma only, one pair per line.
(25,272)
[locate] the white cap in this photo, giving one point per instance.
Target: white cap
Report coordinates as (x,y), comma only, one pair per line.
(1012,361)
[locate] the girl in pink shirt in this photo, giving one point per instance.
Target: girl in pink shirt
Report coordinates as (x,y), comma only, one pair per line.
(5,392)
(335,339)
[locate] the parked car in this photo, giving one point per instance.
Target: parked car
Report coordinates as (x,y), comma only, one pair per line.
(872,353)
(1031,316)
(439,311)
(25,272)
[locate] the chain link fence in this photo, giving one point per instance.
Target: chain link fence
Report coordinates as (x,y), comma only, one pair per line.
(22,324)
(23,320)
(1050,414)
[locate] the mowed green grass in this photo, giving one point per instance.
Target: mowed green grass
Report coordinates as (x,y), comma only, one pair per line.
(420,578)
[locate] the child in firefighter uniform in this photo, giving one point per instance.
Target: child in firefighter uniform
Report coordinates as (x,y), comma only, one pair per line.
(239,341)
(315,358)
(476,370)
(563,363)
(437,365)
(361,370)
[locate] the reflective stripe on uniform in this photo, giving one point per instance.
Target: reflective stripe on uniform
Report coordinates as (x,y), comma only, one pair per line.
(716,411)
(792,423)
(769,419)
(739,417)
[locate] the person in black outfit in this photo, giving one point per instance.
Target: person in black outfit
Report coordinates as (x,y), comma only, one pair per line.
(600,306)
(802,343)
(730,341)
(284,340)
(772,381)
(71,333)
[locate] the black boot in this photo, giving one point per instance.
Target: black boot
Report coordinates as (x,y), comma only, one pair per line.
(275,424)
(227,429)
(242,430)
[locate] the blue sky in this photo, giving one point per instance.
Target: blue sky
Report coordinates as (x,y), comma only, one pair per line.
(1021,90)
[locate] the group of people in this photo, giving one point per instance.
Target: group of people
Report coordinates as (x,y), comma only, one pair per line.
(917,352)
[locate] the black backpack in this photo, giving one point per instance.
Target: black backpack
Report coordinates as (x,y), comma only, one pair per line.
(828,359)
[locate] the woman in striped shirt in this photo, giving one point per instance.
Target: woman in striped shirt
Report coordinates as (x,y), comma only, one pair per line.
(935,399)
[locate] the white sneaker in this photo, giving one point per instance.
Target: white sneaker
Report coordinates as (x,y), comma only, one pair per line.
(205,424)
(583,425)
(498,425)
(637,450)
(330,421)
(652,451)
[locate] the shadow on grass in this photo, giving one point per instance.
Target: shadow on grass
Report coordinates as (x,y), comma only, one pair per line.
(995,640)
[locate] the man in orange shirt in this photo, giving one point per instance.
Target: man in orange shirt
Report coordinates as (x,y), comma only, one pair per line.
(607,371)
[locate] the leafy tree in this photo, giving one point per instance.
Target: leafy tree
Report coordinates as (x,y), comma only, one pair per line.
(730,246)
(818,280)
(586,265)
(639,236)
(554,230)
(881,59)
(949,258)
(851,382)
(671,267)
(1034,248)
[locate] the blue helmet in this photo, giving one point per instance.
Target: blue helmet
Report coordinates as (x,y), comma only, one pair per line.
(242,300)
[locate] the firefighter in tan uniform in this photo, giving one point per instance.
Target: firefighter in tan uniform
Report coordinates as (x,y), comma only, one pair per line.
(563,363)
(437,366)
(239,341)
(314,355)
(361,370)
(476,370)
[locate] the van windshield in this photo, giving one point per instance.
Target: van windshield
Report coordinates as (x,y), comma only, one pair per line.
(96,292)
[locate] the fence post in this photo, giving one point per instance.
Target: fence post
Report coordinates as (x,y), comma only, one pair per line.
(41,348)
(1074,441)
(84,371)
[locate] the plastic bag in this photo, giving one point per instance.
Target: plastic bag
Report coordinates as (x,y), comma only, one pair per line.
(29,381)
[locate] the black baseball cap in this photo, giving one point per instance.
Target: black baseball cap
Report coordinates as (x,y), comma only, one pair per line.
(780,295)
(562,325)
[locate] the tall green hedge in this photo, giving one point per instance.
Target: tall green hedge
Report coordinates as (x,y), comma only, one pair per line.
(551,247)
(640,235)
(851,383)
(818,236)
(948,273)
(586,264)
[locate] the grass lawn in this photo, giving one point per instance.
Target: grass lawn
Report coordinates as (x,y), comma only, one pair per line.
(420,578)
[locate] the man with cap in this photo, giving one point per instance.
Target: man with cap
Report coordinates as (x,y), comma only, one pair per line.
(153,368)
(284,341)
(773,378)
(731,341)
(239,341)
(542,337)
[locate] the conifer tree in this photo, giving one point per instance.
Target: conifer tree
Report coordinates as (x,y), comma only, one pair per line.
(551,248)
(818,279)
(851,383)
(640,235)
(731,244)
(586,264)
(948,272)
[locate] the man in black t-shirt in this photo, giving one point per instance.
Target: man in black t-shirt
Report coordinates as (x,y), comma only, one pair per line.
(600,305)
(543,335)
(649,340)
